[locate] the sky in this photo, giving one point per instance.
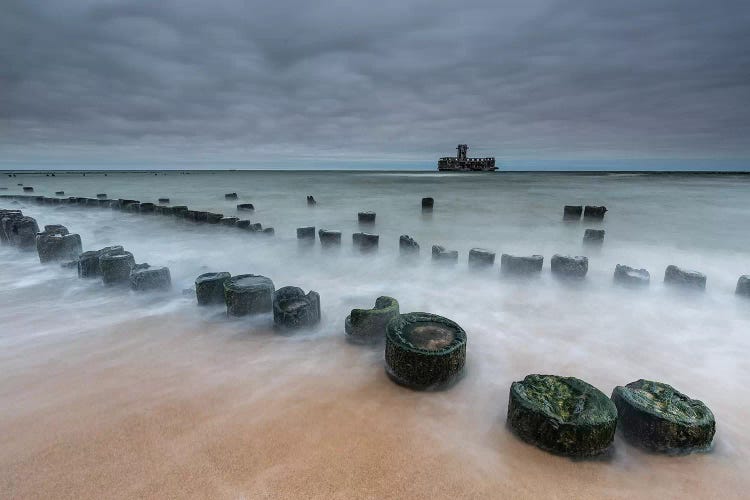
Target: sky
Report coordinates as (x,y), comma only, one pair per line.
(388,84)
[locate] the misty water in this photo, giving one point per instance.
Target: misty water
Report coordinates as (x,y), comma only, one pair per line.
(605,334)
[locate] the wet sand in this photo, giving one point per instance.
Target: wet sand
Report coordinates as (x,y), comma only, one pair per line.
(169,407)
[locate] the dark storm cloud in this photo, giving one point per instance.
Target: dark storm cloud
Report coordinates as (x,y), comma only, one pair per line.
(231,81)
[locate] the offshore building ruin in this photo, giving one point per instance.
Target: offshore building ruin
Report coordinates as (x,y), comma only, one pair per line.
(463,164)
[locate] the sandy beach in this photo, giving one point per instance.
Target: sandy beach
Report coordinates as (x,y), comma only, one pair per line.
(165,409)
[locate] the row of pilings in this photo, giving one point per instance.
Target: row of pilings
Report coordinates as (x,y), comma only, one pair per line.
(422,351)
(568,267)
(113,265)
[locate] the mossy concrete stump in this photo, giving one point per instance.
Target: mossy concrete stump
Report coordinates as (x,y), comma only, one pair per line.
(292,308)
(246,207)
(562,415)
(329,238)
(179,211)
(230,196)
(519,265)
(56,246)
(368,326)
(569,267)
(366,218)
(592,212)
(743,286)
(7,217)
(229,221)
(480,258)
(306,235)
(150,278)
(125,204)
(23,231)
(59,193)
(196,215)
(213,218)
(572,212)
(146,208)
(163,201)
(593,237)
(424,351)
(428,203)
(268,231)
(115,267)
(102,196)
(658,417)
(28,189)
(407,246)
(629,276)
(209,288)
(248,294)
(365,242)
(442,256)
(684,278)
(88,262)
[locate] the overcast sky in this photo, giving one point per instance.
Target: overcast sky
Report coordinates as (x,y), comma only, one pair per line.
(399,83)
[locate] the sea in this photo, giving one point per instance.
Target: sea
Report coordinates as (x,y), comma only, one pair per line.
(108,393)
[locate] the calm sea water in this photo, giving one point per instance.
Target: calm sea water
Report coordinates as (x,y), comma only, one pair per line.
(593,330)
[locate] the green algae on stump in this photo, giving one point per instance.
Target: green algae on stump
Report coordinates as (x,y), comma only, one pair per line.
(658,417)
(568,267)
(369,325)
(248,294)
(293,309)
(55,246)
(407,246)
(593,236)
(22,232)
(209,288)
(594,212)
(518,265)
(329,238)
(424,351)
(684,278)
(562,415)
(572,212)
(366,217)
(481,258)
(442,256)
(629,276)
(115,267)
(147,278)
(88,262)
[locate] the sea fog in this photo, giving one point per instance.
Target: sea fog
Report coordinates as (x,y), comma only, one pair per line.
(67,342)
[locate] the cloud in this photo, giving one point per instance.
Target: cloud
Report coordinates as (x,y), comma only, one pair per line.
(237,81)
